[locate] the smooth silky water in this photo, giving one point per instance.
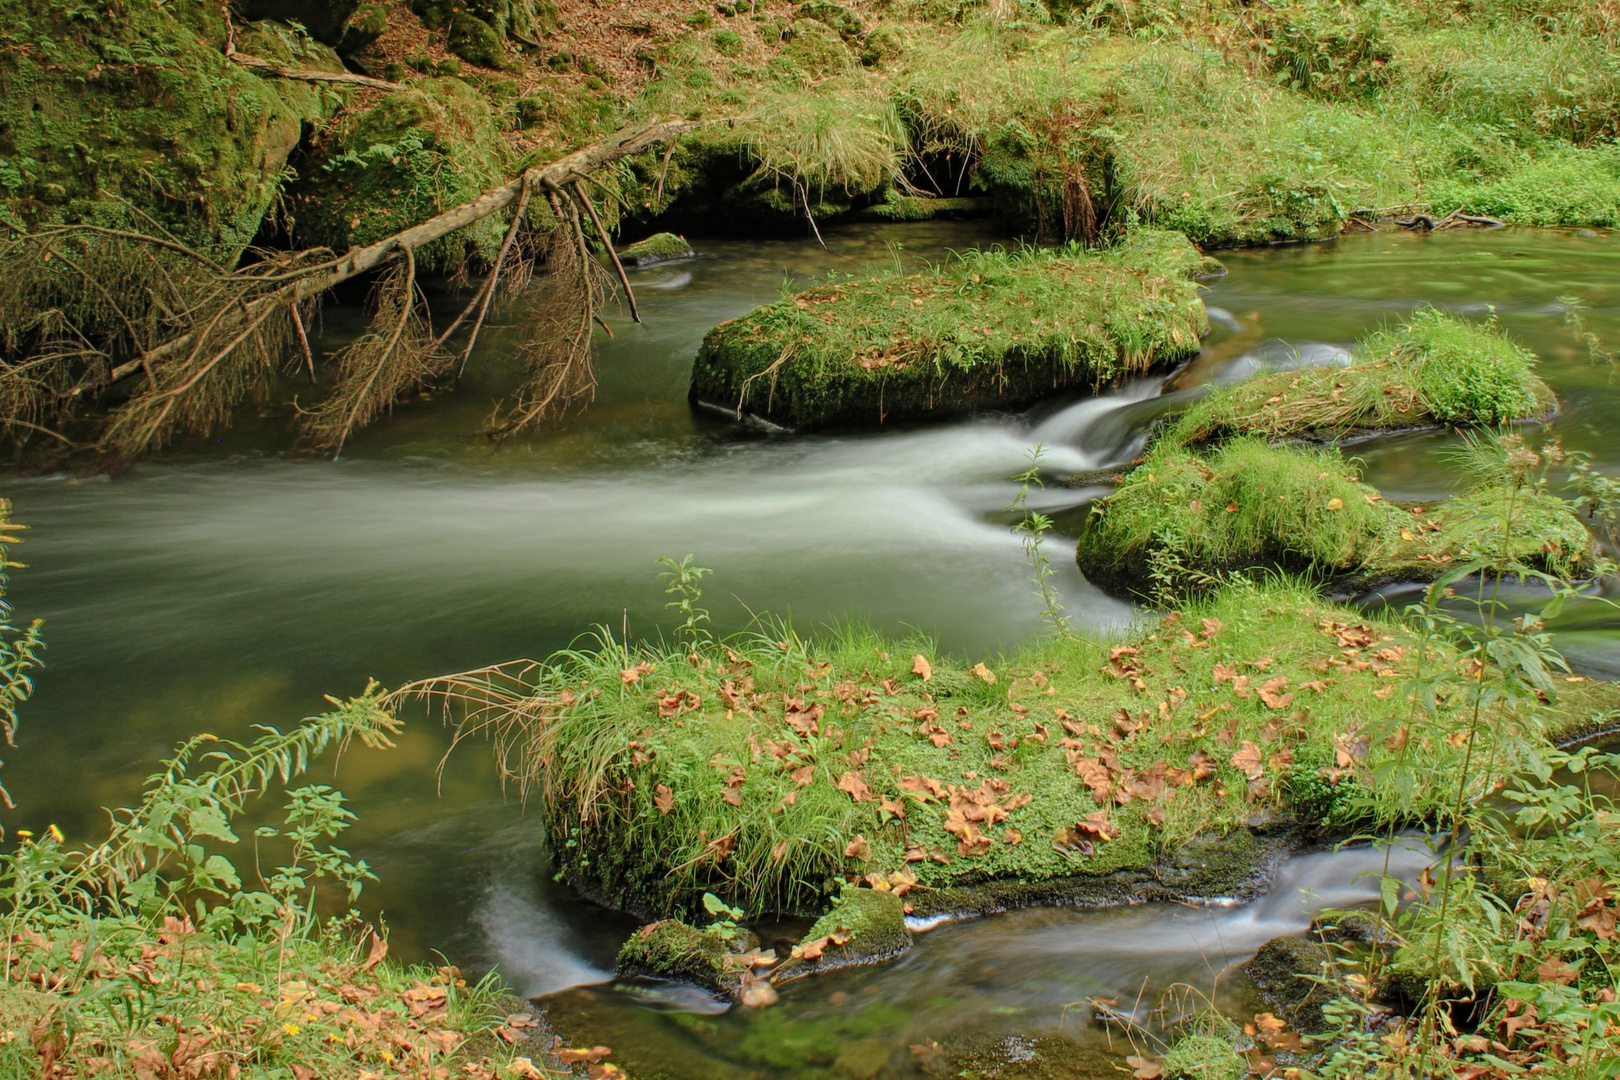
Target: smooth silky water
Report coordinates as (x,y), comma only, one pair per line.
(233,583)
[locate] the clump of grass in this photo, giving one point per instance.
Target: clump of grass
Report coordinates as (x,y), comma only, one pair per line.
(769,769)
(1431,369)
(1183,519)
(984,328)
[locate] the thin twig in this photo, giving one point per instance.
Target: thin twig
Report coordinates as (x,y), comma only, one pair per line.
(624,279)
(303,341)
(494,278)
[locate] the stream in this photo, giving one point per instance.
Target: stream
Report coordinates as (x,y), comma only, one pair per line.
(232,583)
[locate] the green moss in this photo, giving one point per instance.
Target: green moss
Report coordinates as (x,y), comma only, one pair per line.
(727,42)
(657,248)
(143,105)
(773,771)
(884,44)
(845,23)
(1432,369)
(863,926)
(816,49)
(476,42)
(1249,506)
(670,949)
(1288,972)
(984,329)
(1204,1057)
(412,154)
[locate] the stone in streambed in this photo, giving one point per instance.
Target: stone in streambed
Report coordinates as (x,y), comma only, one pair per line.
(864,926)
(670,949)
(984,330)
(1287,970)
(657,248)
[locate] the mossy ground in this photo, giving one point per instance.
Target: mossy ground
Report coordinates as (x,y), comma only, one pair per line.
(142,105)
(774,771)
(980,330)
(1184,516)
(1434,369)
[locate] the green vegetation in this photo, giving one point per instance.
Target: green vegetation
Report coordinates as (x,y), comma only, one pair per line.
(772,770)
(1185,517)
(147,955)
(1432,369)
(984,329)
(145,109)
(660,247)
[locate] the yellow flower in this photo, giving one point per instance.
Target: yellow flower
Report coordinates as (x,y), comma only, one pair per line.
(291,1029)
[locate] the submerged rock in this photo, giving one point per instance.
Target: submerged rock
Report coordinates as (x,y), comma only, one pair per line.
(983,330)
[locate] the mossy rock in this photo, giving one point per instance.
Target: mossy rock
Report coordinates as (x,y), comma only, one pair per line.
(845,23)
(864,926)
(1181,518)
(898,207)
(883,44)
(982,330)
(142,104)
(326,20)
(1432,370)
(657,248)
(817,50)
(1286,970)
(365,26)
(670,949)
(1204,1057)
(414,153)
(476,42)
(1002,1055)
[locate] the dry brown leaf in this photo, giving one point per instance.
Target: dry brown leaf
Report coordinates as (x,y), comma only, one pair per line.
(921,667)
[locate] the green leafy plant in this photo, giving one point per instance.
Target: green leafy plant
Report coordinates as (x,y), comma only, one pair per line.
(1032,527)
(684,585)
(19,646)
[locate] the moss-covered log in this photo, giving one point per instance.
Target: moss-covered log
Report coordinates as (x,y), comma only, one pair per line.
(1432,370)
(1183,517)
(982,330)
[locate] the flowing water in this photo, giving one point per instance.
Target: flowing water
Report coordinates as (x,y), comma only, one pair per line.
(231,583)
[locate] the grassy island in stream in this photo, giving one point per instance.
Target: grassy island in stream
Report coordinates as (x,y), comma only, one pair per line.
(773,771)
(1183,517)
(981,330)
(1434,369)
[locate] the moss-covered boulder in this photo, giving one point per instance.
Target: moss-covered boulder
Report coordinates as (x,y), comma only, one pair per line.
(411,154)
(1181,518)
(660,247)
(1296,977)
(141,104)
(864,926)
(1434,369)
(671,949)
(990,329)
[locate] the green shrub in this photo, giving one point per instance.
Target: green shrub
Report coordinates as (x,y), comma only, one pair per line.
(1329,48)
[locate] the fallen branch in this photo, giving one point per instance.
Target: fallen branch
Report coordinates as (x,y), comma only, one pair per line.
(276,71)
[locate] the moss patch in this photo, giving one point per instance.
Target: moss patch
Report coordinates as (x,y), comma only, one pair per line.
(1181,517)
(660,247)
(984,329)
(141,103)
(1204,1057)
(863,926)
(1432,369)
(670,949)
(412,154)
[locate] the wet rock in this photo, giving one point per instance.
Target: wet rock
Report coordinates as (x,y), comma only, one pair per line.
(1284,970)
(657,248)
(864,927)
(1003,1056)
(1349,927)
(671,949)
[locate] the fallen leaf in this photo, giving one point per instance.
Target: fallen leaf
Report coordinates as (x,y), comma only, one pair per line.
(664,800)
(575,1057)
(1144,1068)
(858,848)
(852,783)
(757,993)
(983,673)
(1249,760)
(1335,504)
(921,667)
(1272,694)
(375,955)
